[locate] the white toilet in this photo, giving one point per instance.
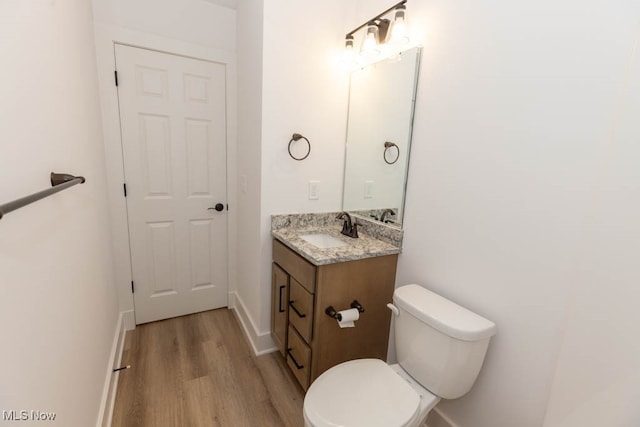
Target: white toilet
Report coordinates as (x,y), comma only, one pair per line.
(440,348)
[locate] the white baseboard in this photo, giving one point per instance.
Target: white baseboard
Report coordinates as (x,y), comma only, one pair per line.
(262,343)
(438,419)
(111,380)
(129,320)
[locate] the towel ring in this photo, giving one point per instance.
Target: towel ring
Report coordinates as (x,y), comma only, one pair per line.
(387,146)
(297,137)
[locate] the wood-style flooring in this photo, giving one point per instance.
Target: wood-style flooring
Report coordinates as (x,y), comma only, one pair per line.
(199,370)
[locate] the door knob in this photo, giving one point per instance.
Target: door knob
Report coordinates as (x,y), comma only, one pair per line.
(218,207)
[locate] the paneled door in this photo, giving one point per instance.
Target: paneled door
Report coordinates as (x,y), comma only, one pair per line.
(172,118)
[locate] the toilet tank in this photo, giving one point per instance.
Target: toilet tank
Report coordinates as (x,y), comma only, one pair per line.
(439,343)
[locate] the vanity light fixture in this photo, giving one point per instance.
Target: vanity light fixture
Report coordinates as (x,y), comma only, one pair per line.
(379,32)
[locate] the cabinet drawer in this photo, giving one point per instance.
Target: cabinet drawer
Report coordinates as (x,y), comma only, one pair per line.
(301,309)
(298,358)
(303,271)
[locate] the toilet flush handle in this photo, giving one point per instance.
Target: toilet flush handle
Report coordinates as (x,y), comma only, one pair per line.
(394,309)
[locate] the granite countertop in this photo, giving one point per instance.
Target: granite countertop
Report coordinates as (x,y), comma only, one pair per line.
(365,246)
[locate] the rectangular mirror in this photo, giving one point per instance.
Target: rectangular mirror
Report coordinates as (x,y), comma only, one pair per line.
(379,126)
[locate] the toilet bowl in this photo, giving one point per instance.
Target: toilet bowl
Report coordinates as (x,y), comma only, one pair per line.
(367,393)
(440,347)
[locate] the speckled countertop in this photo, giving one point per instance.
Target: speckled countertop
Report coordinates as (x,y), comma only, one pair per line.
(370,243)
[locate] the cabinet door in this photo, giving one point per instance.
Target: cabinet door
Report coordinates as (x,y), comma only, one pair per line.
(369,281)
(279,312)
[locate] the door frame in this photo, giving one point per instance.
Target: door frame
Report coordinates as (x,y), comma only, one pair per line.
(106,37)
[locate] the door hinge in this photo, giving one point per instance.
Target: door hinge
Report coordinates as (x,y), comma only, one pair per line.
(115,74)
(124,187)
(133,288)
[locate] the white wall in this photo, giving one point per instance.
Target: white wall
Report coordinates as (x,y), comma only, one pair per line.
(250,82)
(303,91)
(597,379)
(193,28)
(191,21)
(514,107)
(58,307)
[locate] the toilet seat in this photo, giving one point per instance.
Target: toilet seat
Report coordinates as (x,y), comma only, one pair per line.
(363,392)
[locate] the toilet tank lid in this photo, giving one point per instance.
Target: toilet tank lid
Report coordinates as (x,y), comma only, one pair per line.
(442,314)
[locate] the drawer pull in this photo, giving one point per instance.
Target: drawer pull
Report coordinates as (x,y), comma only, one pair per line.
(296,310)
(293,359)
(280,309)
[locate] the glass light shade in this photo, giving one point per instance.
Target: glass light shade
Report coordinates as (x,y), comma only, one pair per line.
(348,59)
(348,56)
(348,52)
(348,42)
(399,31)
(370,43)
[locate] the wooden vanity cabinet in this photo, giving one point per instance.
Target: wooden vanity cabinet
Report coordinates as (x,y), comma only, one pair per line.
(309,339)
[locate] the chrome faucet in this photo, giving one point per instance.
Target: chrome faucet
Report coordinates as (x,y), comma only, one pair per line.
(385,213)
(349,228)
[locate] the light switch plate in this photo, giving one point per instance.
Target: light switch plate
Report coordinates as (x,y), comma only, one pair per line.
(368,189)
(243,184)
(314,190)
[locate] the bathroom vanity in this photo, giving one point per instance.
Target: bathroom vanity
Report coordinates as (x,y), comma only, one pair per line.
(307,279)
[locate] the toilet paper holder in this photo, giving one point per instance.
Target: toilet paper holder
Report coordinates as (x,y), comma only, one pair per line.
(331,312)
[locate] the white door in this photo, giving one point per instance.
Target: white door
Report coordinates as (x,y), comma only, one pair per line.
(172,116)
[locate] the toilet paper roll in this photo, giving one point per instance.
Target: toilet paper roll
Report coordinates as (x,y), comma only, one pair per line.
(348,318)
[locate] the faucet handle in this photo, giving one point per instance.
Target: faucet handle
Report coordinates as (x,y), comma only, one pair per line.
(354,230)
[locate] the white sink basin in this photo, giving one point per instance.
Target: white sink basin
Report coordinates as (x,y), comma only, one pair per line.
(323,240)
